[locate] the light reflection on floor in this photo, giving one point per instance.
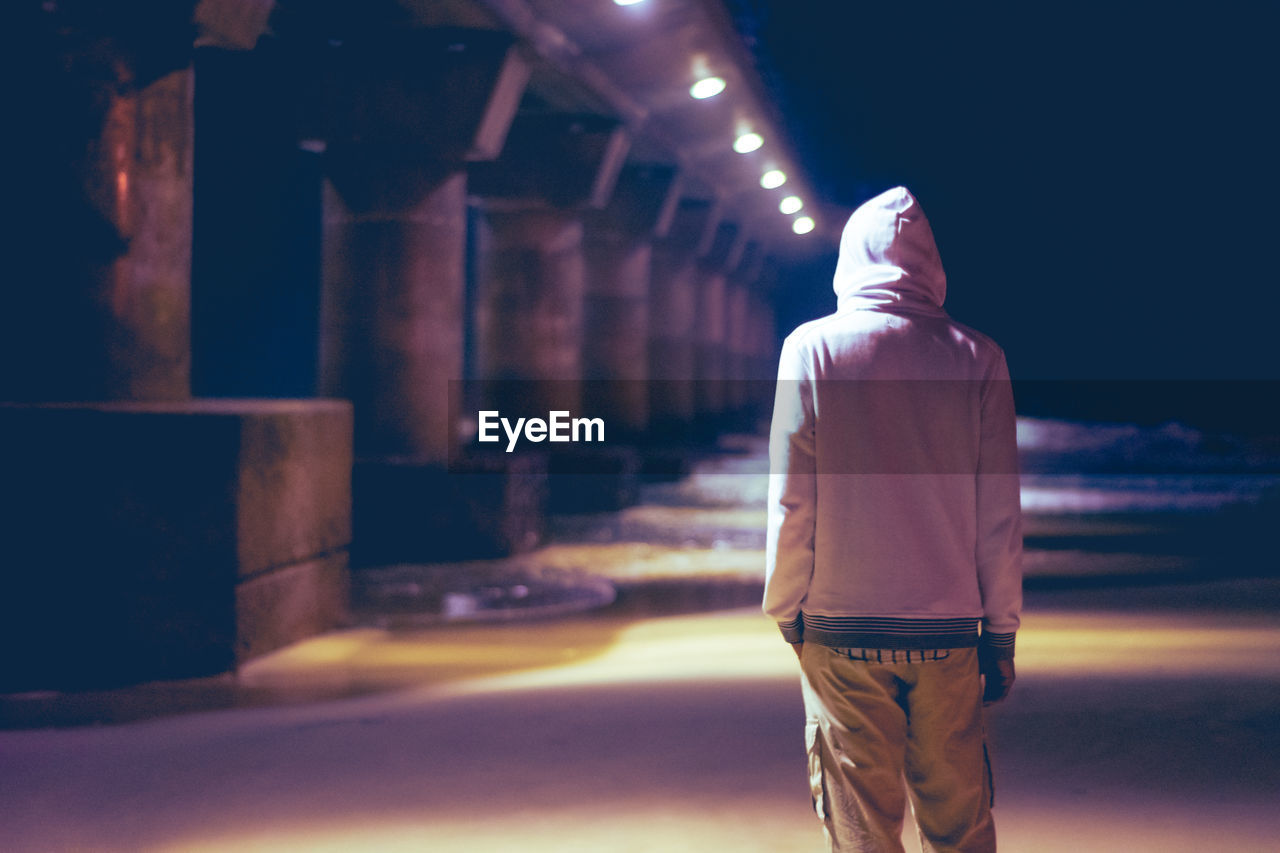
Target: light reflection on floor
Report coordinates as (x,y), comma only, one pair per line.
(733,645)
(677,733)
(1143,719)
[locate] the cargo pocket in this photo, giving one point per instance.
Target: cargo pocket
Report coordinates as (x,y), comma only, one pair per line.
(817,785)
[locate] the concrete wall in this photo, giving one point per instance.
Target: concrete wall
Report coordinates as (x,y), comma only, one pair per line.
(153,540)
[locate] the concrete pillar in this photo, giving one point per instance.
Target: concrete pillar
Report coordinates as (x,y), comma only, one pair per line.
(740,342)
(556,173)
(531,263)
(672,350)
(100,306)
(762,346)
(619,269)
(529,311)
(407,109)
(392,314)
(616,327)
(673,315)
(764,343)
(710,337)
(736,344)
(393,342)
(144,169)
(723,253)
(149,535)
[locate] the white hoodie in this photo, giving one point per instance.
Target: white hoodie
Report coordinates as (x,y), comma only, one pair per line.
(894,517)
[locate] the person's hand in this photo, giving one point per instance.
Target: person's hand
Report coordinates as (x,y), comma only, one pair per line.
(798,647)
(998,676)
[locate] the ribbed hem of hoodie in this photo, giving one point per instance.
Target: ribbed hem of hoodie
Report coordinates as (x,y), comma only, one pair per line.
(889,632)
(998,646)
(793,631)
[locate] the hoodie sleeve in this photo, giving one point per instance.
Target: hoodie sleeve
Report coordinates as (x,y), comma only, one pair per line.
(792,496)
(999,548)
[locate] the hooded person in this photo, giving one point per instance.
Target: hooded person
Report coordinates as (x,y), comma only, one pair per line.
(894,540)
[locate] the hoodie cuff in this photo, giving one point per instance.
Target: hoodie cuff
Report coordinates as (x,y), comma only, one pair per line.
(996,646)
(793,631)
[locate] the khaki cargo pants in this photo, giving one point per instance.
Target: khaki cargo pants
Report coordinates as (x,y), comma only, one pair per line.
(877,716)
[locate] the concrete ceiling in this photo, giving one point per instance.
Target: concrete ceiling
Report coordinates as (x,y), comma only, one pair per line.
(636,63)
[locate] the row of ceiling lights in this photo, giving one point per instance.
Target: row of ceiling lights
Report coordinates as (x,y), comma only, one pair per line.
(708,86)
(772,179)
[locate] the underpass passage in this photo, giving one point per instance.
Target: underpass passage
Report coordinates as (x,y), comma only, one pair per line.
(689,545)
(1139,726)
(239,209)
(1144,717)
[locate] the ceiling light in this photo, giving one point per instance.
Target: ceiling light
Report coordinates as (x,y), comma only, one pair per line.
(707,87)
(747,143)
(627,2)
(803,225)
(790,204)
(773,179)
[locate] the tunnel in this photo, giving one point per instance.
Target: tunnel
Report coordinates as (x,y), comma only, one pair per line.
(278,258)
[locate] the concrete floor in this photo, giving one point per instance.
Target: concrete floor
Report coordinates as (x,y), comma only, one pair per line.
(1146,717)
(1143,719)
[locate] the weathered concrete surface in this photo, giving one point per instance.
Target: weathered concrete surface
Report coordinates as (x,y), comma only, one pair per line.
(674,318)
(294,483)
(567,160)
(103,311)
(131,528)
(710,346)
(736,346)
(146,165)
(392,317)
(763,339)
(530,303)
(672,350)
(615,349)
(278,607)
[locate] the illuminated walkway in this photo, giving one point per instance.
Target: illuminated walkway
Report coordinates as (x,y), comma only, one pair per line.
(1144,725)
(1146,717)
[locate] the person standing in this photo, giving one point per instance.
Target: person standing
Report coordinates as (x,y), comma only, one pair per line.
(894,541)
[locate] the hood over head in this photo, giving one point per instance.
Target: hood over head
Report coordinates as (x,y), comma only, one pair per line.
(888,258)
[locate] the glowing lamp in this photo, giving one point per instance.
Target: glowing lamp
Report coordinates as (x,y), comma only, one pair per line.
(773,179)
(707,87)
(790,204)
(803,225)
(747,143)
(627,2)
